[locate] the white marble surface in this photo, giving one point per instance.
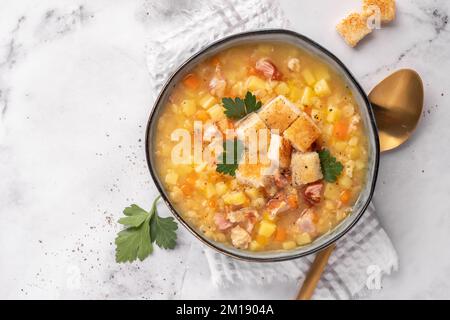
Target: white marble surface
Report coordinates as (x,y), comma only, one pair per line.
(74,101)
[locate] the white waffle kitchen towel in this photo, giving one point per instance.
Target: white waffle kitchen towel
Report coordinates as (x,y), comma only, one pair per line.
(365,254)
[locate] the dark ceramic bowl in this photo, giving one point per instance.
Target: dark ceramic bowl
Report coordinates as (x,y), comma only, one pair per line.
(282,36)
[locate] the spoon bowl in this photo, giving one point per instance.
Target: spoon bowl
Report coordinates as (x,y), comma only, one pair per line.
(397,102)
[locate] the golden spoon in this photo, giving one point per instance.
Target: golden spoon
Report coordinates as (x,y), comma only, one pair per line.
(397,102)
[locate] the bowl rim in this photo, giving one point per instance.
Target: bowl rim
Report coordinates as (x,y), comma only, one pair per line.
(371,124)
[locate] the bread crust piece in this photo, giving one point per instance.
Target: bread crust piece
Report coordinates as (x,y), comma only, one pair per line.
(353,28)
(305,168)
(249,123)
(302,133)
(252,174)
(387,9)
(279,113)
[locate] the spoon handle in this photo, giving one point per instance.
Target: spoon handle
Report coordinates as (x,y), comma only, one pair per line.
(315,272)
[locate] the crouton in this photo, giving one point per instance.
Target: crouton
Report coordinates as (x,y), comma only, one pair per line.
(386,8)
(302,133)
(249,123)
(279,113)
(353,28)
(281,153)
(251,129)
(305,168)
(252,174)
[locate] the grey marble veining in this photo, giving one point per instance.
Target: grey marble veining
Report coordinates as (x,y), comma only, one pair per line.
(74,102)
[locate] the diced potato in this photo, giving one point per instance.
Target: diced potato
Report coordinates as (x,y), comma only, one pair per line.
(254,83)
(269,217)
(333,114)
(329,205)
(216,112)
(171,177)
(235,198)
(176,195)
(348,110)
(210,191)
(321,72)
(321,88)
(359,165)
(188,107)
(307,97)
(303,239)
(221,188)
(238,89)
(282,88)
(207,101)
(340,146)
(266,228)
(354,152)
(353,141)
(287,245)
(255,246)
(294,93)
(332,191)
(309,77)
(345,182)
(253,193)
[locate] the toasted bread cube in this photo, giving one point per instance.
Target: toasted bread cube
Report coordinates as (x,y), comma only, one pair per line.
(353,28)
(279,113)
(302,133)
(250,123)
(386,9)
(252,174)
(281,154)
(305,168)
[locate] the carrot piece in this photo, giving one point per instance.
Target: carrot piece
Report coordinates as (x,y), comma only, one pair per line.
(202,115)
(280,234)
(340,129)
(187,189)
(212,203)
(292,201)
(191,178)
(345,196)
(191,81)
(262,240)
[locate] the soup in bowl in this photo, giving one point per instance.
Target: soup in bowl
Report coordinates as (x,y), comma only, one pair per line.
(264,146)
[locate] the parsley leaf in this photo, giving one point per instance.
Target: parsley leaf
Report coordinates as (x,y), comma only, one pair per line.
(331,168)
(143,228)
(238,108)
(163,231)
(229,163)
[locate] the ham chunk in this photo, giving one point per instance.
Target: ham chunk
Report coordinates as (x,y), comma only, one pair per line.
(221,222)
(240,238)
(265,67)
(278,204)
(313,192)
(306,222)
(245,217)
(218,84)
